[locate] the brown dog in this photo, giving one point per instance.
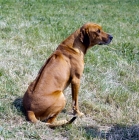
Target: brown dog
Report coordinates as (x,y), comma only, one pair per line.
(44,98)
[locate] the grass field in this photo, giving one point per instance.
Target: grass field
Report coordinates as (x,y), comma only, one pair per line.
(30,30)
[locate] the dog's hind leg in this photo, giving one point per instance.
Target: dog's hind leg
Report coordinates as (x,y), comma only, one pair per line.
(31,116)
(55,109)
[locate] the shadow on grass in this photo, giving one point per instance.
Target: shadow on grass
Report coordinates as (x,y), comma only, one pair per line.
(116,132)
(19,106)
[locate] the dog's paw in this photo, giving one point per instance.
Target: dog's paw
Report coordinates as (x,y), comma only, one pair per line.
(78,113)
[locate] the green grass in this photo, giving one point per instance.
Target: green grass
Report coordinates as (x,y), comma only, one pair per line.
(30,30)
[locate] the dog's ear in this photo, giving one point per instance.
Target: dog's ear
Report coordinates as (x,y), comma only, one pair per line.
(84,37)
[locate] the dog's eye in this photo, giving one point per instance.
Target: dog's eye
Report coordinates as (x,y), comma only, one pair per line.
(98,31)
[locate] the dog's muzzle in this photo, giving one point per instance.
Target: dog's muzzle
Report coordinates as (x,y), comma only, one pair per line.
(110,37)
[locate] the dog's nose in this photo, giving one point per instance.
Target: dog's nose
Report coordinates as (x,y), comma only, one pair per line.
(110,37)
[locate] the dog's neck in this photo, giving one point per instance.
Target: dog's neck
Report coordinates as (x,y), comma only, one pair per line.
(79,46)
(73,42)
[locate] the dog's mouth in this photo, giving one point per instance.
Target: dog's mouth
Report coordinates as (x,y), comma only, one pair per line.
(105,43)
(110,37)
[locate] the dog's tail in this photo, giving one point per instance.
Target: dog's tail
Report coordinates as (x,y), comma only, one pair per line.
(32,118)
(61,123)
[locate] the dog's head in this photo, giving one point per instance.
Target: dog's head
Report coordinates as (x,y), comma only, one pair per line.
(92,34)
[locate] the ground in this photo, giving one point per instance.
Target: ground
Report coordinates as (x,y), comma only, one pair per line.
(30,30)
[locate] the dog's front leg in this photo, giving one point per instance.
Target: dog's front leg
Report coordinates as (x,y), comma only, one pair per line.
(75,90)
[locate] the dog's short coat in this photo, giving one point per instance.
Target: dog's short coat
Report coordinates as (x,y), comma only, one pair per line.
(44,98)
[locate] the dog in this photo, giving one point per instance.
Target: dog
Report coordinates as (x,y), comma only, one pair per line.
(44,98)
